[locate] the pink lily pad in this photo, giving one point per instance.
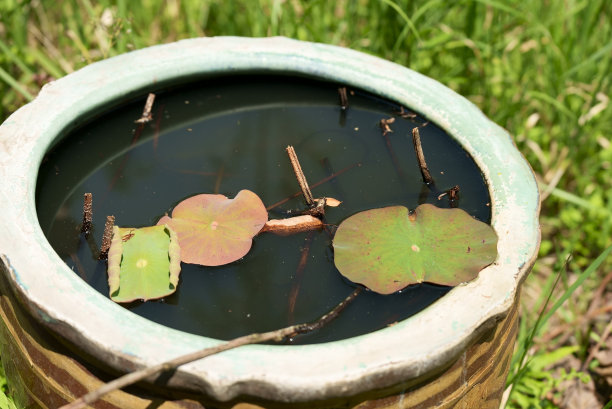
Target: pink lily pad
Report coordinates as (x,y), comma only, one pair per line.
(213,230)
(388,249)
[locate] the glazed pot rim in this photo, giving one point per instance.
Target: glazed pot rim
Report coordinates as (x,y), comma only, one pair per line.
(410,349)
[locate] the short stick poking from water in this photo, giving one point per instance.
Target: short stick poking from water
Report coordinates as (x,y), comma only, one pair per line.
(87,214)
(343,98)
(146,112)
(107,237)
(301,178)
(416,140)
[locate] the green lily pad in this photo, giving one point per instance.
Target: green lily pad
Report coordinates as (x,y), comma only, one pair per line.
(388,249)
(213,230)
(143,264)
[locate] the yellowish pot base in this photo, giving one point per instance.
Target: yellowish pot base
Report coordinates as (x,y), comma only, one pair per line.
(44,373)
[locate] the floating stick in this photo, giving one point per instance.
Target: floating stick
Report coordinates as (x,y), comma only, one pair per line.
(172,364)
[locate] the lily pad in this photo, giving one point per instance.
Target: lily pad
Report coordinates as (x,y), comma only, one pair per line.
(143,264)
(214,230)
(388,249)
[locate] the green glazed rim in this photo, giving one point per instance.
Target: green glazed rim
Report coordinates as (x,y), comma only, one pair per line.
(411,350)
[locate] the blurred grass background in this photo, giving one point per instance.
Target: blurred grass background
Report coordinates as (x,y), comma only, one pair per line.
(541,69)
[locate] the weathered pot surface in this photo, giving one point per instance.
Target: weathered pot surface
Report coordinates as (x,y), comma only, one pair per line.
(413,348)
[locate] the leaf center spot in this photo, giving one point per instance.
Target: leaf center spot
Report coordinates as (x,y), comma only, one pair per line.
(213,225)
(141,263)
(415,248)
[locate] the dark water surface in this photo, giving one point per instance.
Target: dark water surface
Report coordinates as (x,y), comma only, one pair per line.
(226,134)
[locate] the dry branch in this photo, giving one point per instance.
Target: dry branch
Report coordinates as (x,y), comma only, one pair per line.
(278,335)
(107,237)
(343,98)
(384,124)
(416,140)
(87,214)
(299,174)
(146,112)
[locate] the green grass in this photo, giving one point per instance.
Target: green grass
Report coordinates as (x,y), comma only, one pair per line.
(541,69)
(5,400)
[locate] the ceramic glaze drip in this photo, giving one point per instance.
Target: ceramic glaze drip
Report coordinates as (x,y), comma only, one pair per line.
(226,134)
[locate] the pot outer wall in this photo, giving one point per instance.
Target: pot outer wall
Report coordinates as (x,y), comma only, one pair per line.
(44,372)
(466,344)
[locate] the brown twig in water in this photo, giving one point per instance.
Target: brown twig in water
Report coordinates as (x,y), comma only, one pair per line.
(301,178)
(146,112)
(343,98)
(384,124)
(406,114)
(87,213)
(416,141)
(107,237)
(278,335)
(319,183)
(453,195)
(308,327)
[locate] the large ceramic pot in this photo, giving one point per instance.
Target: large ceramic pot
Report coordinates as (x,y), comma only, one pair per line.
(60,337)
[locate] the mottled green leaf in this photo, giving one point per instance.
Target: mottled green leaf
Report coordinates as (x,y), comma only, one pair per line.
(388,249)
(213,230)
(143,264)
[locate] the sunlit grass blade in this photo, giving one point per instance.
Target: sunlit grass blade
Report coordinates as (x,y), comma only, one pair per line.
(603,51)
(554,102)
(404,17)
(46,63)
(579,280)
(14,58)
(6,77)
(578,201)
(523,348)
(520,354)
